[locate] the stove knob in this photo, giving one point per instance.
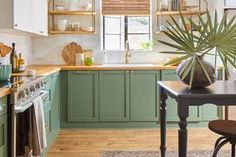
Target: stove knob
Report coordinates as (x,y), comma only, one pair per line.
(27,92)
(21,95)
(32,89)
(38,86)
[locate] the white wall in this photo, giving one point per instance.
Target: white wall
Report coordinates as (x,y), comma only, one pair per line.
(47,50)
(23,45)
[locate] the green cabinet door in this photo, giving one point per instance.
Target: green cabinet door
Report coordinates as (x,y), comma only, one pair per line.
(3,105)
(144,100)
(3,136)
(114,96)
(55,100)
(195,113)
(82,96)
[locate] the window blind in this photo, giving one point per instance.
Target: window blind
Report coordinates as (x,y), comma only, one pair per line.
(126,7)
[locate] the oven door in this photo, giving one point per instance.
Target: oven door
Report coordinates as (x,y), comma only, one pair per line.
(19,115)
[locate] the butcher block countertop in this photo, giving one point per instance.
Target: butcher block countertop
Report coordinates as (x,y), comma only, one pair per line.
(5,92)
(45,70)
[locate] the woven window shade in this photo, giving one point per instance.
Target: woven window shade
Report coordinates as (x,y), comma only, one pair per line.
(126,7)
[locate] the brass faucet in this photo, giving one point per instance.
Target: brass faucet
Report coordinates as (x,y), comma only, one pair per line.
(127,52)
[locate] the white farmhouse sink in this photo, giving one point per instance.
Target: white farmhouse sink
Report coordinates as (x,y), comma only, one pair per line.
(127,65)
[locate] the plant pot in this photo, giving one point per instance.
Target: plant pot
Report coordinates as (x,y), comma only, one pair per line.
(5,72)
(199,79)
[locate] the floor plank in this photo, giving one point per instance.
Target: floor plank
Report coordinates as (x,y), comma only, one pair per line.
(90,143)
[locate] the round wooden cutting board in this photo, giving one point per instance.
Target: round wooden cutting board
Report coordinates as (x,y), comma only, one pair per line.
(69,53)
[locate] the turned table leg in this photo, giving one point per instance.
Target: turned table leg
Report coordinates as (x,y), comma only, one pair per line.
(183,133)
(163,122)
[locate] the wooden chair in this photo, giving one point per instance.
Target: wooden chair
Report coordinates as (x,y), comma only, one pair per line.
(226,128)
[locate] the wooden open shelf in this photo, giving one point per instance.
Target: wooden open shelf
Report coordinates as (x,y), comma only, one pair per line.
(72,32)
(162,33)
(65,12)
(163,13)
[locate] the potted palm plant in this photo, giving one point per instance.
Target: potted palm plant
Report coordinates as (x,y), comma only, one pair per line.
(208,36)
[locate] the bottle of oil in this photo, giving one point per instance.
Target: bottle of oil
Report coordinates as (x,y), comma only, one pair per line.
(21,62)
(14,59)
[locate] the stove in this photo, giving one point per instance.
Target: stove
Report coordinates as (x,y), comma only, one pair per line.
(24,91)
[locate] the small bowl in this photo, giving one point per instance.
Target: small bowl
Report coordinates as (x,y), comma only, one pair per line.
(60,7)
(87,29)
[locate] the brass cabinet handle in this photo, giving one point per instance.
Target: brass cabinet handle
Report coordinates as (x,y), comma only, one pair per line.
(82,72)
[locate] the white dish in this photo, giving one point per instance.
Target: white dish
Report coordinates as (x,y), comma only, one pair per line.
(60,7)
(87,29)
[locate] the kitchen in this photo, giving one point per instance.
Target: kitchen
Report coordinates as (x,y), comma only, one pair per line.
(95,67)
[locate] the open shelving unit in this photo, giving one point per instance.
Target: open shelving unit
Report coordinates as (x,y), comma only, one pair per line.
(162,14)
(54,15)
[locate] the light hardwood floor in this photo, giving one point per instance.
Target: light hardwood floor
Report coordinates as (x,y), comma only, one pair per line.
(90,143)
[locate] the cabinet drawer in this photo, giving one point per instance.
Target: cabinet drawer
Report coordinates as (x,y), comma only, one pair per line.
(3,106)
(3,135)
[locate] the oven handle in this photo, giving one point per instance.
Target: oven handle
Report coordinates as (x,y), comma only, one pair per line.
(24,107)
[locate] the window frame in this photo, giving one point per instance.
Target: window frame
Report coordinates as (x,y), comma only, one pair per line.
(126,34)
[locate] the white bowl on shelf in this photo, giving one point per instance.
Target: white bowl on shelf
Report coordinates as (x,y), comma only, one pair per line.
(59,7)
(87,29)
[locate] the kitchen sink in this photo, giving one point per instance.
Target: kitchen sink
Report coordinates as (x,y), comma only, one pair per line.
(127,65)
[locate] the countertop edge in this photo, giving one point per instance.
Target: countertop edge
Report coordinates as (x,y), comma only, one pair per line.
(45,70)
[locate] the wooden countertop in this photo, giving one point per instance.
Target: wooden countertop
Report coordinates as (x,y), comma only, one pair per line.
(45,70)
(5,92)
(118,67)
(41,70)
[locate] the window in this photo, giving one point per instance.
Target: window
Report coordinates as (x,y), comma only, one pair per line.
(118,29)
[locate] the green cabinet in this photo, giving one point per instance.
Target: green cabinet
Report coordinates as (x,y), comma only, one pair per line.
(3,105)
(195,113)
(51,107)
(114,96)
(48,119)
(144,100)
(3,136)
(55,100)
(82,96)
(210,112)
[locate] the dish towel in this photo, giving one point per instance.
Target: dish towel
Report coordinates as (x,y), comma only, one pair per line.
(39,141)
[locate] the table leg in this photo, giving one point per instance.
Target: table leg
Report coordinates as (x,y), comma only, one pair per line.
(163,122)
(183,133)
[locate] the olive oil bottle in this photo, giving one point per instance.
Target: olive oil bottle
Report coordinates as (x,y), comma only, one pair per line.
(21,62)
(14,59)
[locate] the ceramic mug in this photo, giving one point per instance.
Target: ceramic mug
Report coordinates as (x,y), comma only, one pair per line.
(61,25)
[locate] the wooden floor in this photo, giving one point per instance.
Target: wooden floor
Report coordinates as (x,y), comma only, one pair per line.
(90,143)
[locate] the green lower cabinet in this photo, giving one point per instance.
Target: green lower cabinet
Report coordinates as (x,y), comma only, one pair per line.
(55,102)
(114,96)
(48,118)
(82,96)
(211,112)
(3,136)
(3,105)
(195,113)
(144,100)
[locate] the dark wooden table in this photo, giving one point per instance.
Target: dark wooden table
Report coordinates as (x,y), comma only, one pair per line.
(221,93)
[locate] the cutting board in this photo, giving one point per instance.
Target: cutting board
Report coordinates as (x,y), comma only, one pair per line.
(69,53)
